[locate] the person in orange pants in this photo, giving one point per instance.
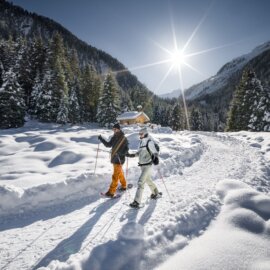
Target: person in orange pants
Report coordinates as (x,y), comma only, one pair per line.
(119,144)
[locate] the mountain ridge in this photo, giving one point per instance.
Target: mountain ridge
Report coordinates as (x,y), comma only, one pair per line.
(216,82)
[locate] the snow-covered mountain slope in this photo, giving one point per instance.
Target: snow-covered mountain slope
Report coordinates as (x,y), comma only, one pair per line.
(222,78)
(173,94)
(57,220)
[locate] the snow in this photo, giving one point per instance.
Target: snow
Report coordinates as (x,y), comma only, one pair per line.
(238,239)
(221,79)
(214,213)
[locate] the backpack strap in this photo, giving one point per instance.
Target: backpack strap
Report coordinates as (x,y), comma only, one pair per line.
(148,147)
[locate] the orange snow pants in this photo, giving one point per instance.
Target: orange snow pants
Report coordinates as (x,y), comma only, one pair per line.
(117,175)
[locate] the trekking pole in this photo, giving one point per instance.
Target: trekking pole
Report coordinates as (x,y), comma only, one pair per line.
(127,169)
(96,158)
(160,175)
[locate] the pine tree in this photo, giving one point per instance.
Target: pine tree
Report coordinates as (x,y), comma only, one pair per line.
(260,118)
(196,122)
(23,70)
(177,118)
(108,107)
(91,88)
(157,114)
(74,107)
(12,106)
(39,54)
(126,103)
(54,90)
(239,114)
(62,116)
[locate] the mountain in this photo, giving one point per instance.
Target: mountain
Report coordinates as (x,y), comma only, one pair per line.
(226,74)
(173,94)
(213,96)
(16,22)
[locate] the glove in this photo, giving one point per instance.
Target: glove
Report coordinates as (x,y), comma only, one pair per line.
(155,159)
(99,137)
(130,155)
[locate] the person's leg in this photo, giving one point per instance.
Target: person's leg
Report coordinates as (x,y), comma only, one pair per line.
(146,170)
(115,177)
(152,185)
(122,177)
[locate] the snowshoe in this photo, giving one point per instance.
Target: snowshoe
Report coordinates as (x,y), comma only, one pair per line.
(136,205)
(156,196)
(109,195)
(129,186)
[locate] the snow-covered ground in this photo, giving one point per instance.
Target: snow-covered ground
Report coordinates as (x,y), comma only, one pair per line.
(214,213)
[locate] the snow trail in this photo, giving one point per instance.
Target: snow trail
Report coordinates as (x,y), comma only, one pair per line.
(168,226)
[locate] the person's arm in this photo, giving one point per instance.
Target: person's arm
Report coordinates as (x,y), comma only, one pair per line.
(106,143)
(152,148)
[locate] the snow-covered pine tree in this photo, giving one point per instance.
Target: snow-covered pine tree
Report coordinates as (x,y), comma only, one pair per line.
(62,116)
(1,73)
(239,113)
(157,114)
(108,107)
(8,54)
(74,107)
(38,53)
(54,85)
(23,69)
(37,89)
(12,106)
(196,122)
(90,88)
(266,117)
(75,103)
(176,117)
(126,103)
(260,117)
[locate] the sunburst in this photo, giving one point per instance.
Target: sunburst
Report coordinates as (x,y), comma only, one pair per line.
(178,58)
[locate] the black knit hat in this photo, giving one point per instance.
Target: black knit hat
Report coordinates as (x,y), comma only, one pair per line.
(116,126)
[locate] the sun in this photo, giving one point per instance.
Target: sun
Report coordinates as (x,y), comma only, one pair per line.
(177,58)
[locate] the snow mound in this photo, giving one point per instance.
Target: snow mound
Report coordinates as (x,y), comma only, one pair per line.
(238,239)
(45,146)
(66,157)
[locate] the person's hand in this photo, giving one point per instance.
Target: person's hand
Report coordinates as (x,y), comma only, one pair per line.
(155,159)
(130,155)
(99,137)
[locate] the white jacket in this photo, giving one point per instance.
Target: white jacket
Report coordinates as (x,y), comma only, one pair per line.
(144,155)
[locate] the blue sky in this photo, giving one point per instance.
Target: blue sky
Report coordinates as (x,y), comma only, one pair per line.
(134,31)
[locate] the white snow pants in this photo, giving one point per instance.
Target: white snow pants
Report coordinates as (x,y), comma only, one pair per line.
(145,177)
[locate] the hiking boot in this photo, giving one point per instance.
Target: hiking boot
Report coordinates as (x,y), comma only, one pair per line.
(134,204)
(122,189)
(108,194)
(156,195)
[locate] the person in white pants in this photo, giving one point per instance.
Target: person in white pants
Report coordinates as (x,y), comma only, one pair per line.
(147,153)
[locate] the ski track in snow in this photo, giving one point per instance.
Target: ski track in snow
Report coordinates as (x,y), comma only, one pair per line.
(169,223)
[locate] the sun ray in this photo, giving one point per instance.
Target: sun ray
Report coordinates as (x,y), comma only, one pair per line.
(178,59)
(193,68)
(213,49)
(165,77)
(159,85)
(161,47)
(180,75)
(142,66)
(198,26)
